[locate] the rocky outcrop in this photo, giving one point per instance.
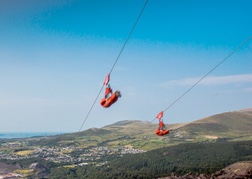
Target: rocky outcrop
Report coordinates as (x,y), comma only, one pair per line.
(40,170)
(236,170)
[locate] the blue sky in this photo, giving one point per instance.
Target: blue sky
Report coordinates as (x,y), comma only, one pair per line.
(55,55)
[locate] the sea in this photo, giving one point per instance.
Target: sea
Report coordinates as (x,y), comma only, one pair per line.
(12,135)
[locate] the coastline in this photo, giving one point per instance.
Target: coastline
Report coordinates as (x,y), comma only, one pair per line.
(13,135)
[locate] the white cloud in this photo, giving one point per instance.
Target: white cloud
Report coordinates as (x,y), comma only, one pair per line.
(212,80)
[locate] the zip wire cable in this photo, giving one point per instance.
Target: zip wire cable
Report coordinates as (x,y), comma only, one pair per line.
(91,108)
(129,35)
(127,39)
(236,49)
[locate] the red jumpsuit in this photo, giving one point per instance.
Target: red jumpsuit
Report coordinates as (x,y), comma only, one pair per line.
(161,129)
(107,102)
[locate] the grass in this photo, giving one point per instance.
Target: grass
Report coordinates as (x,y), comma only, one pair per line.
(69,166)
(24,172)
(67,151)
(6,150)
(24,152)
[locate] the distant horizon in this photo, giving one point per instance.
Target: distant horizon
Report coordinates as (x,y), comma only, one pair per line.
(13,135)
(28,132)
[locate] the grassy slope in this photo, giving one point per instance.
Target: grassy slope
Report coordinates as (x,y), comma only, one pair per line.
(141,134)
(237,124)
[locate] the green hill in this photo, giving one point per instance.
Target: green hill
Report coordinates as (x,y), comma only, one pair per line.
(229,126)
(234,125)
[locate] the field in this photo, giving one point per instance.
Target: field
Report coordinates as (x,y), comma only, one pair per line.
(24,152)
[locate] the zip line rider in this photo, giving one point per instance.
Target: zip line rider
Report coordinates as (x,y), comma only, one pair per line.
(161,130)
(110,97)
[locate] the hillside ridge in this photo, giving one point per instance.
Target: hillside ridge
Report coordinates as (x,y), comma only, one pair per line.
(228,126)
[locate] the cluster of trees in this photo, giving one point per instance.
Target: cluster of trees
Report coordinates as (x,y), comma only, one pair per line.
(181,159)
